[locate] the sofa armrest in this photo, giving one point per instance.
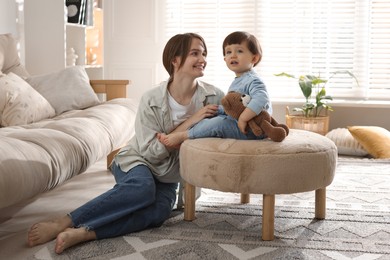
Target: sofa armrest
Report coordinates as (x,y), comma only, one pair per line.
(112,88)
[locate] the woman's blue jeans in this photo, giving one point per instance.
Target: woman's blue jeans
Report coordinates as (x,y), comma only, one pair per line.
(136,202)
(222,126)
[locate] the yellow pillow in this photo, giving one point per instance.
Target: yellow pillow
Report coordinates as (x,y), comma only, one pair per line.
(375,139)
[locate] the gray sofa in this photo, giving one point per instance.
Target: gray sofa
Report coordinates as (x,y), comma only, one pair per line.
(54,126)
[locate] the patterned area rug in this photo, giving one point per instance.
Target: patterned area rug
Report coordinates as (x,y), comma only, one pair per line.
(357,225)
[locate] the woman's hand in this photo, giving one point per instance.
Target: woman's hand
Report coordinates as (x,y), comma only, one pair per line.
(204,112)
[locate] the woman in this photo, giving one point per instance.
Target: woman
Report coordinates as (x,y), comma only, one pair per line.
(146,172)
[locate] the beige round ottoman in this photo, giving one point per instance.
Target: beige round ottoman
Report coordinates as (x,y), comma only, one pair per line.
(304,161)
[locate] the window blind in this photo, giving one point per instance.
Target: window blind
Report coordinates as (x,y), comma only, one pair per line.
(298,37)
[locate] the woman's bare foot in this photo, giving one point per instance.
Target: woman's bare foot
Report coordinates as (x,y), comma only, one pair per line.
(43,232)
(173,139)
(71,237)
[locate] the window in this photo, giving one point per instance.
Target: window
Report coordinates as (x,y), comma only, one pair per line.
(297,37)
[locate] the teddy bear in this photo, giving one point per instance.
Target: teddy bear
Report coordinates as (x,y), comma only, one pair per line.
(234,104)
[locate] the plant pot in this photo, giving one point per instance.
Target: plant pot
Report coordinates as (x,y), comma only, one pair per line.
(318,124)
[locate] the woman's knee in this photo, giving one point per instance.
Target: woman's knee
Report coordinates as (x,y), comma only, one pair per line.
(164,210)
(165,200)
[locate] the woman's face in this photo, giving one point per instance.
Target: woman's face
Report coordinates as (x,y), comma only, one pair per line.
(195,62)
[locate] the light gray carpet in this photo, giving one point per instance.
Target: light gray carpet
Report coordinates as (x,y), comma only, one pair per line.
(357,225)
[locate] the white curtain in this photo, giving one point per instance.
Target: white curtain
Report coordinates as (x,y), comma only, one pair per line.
(298,37)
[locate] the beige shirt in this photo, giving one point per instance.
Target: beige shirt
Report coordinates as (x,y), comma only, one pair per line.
(154,116)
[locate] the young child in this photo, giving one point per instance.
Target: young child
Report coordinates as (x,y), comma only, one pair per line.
(242,52)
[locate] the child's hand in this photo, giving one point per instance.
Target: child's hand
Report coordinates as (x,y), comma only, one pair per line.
(242,126)
(244,118)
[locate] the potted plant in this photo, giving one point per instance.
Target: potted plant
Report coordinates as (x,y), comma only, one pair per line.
(313,114)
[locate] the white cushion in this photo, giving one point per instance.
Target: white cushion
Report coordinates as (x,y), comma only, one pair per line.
(66,90)
(20,104)
(346,143)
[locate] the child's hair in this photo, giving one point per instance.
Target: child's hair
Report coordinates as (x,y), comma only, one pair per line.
(239,37)
(179,45)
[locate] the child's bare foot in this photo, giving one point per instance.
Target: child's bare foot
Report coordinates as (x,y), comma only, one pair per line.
(43,232)
(71,237)
(173,140)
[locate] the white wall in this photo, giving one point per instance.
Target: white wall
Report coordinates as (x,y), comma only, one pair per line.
(133,43)
(8,17)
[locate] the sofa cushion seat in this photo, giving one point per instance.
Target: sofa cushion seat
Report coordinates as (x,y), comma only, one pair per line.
(39,156)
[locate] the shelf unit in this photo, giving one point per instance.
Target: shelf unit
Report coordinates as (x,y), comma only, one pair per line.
(48,37)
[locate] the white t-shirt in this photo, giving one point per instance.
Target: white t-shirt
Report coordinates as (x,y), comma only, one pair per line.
(179,112)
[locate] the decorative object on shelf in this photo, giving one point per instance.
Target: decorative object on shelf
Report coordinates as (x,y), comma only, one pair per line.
(314,112)
(76,11)
(91,57)
(71,57)
(92,43)
(88,18)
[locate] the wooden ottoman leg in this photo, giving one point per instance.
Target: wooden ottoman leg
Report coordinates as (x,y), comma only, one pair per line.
(189,202)
(268,217)
(320,203)
(245,198)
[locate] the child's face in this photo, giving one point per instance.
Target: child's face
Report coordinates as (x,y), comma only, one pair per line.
(239,59)
(195,62)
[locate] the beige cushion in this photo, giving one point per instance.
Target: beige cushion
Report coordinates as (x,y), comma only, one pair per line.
(375,139)
(67,89)
(20,104)
(346,143)
(304,161)
(9,58)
